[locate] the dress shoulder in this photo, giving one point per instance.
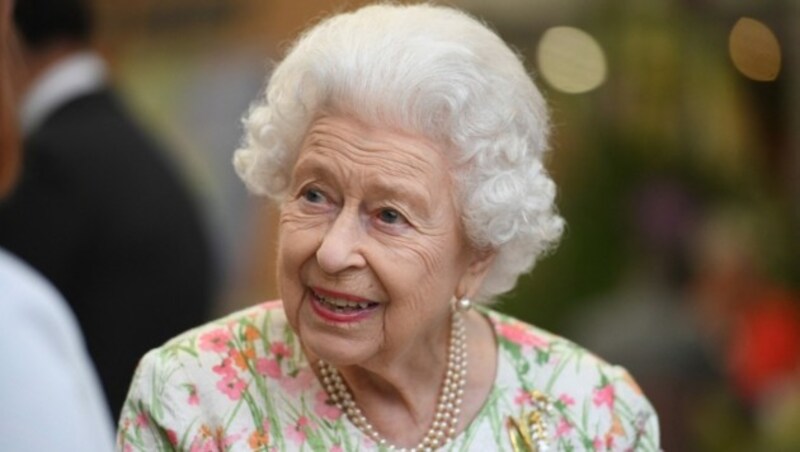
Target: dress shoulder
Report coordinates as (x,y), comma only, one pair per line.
(255,315)
(186,392)
(593,404)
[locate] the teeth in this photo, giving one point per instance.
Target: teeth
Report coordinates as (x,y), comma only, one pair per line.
(343,304)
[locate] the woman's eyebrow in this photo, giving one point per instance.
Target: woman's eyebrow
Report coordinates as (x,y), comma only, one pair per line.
(402,190)
(313,166)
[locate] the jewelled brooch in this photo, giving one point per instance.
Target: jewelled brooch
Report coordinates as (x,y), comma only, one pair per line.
(529,433)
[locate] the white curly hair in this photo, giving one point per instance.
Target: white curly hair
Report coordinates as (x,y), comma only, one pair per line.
(432,71)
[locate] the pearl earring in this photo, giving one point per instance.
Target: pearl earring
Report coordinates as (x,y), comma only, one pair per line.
(463,304)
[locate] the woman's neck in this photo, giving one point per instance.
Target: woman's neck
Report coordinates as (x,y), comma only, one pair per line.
(399,396)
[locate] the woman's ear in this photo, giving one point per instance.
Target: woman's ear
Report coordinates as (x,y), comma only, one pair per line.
(473,277)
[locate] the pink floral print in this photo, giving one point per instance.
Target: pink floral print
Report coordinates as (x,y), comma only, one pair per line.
(566,400)
(297,432)
(269,367)
(225,368)
(604,396)
(302,381)
(280,349)
(215,340)
(244,384)
(523,397)
(172,437)
(563,427)
(193,399)
(232,387)
(141,420)
(519,334)
(325,408)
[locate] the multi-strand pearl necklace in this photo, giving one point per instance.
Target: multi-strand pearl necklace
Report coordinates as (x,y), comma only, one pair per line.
(445,419)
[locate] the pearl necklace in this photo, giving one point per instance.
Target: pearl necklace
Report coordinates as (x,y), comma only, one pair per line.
(445,419)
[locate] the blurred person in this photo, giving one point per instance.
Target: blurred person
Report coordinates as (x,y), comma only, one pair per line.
(49,392)
(405,145)
(751,319)
(752,324)
(99,209)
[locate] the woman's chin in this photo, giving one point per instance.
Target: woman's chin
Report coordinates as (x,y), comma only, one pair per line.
(337,336)
(338,353)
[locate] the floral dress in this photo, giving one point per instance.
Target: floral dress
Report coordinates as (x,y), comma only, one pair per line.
(242,384)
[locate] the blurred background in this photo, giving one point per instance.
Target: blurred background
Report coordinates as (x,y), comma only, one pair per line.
(676,148)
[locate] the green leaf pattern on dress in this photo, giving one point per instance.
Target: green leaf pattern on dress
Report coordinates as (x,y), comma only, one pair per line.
(242,383)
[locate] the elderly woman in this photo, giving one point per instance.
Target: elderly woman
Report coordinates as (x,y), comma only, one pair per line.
(404,145)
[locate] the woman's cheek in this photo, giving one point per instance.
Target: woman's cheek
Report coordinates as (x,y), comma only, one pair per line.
(299,238)
(427,255)
(296,217)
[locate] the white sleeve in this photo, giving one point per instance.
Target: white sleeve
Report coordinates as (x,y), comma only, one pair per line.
(49,392)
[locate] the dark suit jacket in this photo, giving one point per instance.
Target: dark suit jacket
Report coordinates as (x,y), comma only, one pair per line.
(100,212)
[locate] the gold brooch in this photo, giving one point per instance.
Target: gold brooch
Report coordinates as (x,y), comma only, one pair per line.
(529,432)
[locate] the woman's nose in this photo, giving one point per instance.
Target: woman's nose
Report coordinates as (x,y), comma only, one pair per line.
(341,246)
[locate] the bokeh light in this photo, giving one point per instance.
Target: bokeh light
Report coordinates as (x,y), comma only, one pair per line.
(571,60)
(755,50)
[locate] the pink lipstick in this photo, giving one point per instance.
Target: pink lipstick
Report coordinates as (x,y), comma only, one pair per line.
(340,307)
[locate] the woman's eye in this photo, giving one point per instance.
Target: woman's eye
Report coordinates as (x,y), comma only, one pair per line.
(390,216)
(313,195)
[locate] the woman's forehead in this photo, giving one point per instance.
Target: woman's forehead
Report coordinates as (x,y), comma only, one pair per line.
(346,139)
(381,162)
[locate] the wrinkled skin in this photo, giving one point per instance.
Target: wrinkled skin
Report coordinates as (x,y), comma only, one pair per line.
(370,214)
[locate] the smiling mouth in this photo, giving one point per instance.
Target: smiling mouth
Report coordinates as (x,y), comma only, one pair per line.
(342,306)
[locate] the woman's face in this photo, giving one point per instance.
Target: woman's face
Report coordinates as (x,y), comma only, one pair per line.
(371,249)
